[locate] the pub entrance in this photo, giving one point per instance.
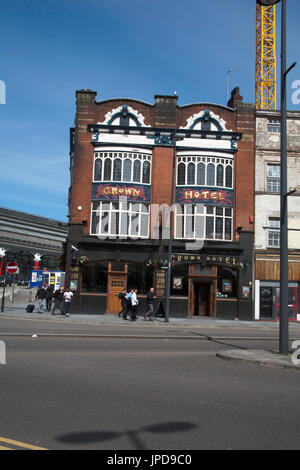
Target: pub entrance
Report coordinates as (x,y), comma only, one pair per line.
(202,295)
(117,281)
(202,291)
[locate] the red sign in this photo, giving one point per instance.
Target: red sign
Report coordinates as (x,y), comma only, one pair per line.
(12,267)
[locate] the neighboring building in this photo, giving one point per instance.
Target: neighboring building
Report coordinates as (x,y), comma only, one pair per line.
(267,214)
(122,148)
(23,235)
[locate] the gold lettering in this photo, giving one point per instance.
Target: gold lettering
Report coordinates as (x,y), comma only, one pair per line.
(205,194)
(188,195)
(106,190)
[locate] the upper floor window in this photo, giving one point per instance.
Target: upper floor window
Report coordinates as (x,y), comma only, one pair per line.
(274,232)
(273,178)
(205,171)
(197,221)
(126,167)
(274,125)
(120,219)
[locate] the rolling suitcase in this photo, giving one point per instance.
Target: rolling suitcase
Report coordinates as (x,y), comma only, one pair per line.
(30,308)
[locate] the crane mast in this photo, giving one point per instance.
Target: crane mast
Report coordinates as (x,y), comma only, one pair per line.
(265,67)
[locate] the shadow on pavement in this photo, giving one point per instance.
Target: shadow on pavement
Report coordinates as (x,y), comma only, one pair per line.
(86,437)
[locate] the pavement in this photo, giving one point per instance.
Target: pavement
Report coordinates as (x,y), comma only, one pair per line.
(17,310)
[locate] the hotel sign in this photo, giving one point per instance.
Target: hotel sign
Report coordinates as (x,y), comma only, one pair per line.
(211,196)
(112,191)
(204,259)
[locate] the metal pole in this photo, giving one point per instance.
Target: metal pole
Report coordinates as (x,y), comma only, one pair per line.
(3,294)
(167,312)
(284,333)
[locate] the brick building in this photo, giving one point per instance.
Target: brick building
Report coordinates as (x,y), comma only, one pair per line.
(121,160)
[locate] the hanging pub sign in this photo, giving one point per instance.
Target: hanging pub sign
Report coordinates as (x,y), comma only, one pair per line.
(160,282)
(208,196)
(74,278)
(113,191)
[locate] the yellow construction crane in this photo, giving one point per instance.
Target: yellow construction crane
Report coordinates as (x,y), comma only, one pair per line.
(265,66)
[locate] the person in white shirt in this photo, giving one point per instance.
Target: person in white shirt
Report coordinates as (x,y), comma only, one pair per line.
(68,295)
(134,304)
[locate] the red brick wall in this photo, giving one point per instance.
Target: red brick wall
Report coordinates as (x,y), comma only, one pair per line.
(89,111)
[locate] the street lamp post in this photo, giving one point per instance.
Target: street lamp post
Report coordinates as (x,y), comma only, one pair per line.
(174,139)
(284,280)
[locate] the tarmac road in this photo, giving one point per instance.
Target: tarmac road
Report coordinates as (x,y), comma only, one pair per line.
(124,393)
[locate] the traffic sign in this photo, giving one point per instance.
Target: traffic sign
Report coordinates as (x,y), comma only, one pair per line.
(12,267)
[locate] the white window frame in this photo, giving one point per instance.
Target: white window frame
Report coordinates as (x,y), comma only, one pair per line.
(122,155)
(273,229)
(274,125)
(273,179)
(206,160)
(126,211)
(187,214)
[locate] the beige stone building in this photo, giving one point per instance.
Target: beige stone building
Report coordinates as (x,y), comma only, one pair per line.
(267,214)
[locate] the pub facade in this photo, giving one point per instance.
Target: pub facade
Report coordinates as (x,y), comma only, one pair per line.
(123,155)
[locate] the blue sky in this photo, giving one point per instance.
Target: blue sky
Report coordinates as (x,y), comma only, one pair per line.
(119,48)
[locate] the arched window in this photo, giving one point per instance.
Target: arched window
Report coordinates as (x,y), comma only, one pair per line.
(220,175)
(200,174)
(107,169)
(146,172)
(191,173)
(137,171)
(127,170)
(181,174)
(228,177)
(98,170)
(117,169)
(211,174)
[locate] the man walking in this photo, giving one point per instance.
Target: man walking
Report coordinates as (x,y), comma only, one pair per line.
(150,302)
(41,296)
(58,301)
(122,297)
(134,304)
(49,295)
(68,295)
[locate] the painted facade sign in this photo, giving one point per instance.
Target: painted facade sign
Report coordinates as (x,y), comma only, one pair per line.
(211,196)
(204,259)
(112,191)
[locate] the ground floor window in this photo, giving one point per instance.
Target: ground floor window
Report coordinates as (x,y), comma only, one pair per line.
(120,219)
(94,278)
(226,285)
(197,221)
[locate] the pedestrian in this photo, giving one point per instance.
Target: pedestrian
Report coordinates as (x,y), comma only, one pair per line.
(122,297)
(68,295)
(58,297)
(134,304)
(128,304)
(49,296)
(150,303)
(40,297)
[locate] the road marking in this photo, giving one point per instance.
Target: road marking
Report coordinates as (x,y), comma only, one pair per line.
(23,445)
